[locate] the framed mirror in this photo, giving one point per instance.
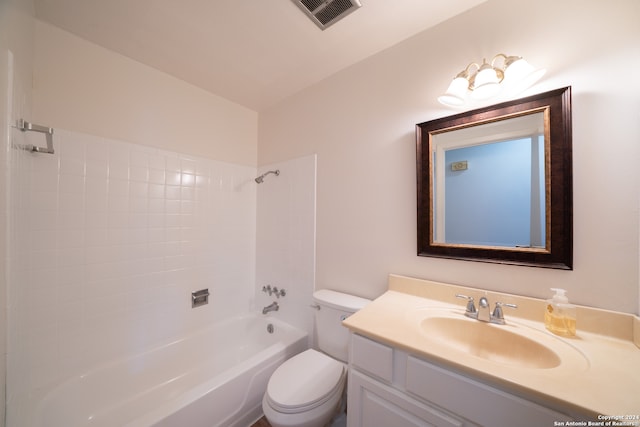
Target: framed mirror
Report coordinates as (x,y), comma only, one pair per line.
(495,184)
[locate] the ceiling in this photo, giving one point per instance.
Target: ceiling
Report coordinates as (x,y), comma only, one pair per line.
(252,52)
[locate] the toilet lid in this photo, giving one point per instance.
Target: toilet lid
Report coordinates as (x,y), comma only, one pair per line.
(305,381)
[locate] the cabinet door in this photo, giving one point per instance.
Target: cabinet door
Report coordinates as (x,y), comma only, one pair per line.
(474,400)
(373,404)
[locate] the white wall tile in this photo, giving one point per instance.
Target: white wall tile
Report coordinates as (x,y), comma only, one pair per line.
(118,203)
(44,239)
(172,163)
(156,206)
(173,192)
(172,206)
(69,220)
(119,154)
(138,205)
(138,173)
(70,238)
(97,169)
(157,160)
(157,176)
(72,166)
(118,187)
(130,232)
(118,219)
(118,171)
(187,179)
(45,201)
(70,202)
(44,181)
(96,149)
(139,158)
(173,177)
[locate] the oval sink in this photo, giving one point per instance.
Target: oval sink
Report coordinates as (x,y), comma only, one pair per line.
(492,342)
(452,336)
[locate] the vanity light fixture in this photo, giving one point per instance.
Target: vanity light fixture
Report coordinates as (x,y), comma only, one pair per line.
(479,82)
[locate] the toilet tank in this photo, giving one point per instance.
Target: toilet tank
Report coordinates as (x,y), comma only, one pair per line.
(334,307)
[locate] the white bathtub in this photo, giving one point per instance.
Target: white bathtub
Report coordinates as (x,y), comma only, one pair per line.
(215,377)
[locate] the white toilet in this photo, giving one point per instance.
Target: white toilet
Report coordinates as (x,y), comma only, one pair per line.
(307,390)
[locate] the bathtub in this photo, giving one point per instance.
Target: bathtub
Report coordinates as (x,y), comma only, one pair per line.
(214,377)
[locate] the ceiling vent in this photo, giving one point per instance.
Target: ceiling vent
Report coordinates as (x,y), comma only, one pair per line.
(327,12)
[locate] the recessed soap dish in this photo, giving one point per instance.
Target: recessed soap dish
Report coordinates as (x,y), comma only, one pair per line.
(199,298)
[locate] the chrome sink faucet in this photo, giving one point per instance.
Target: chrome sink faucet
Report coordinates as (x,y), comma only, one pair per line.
(483,313)
(484,310)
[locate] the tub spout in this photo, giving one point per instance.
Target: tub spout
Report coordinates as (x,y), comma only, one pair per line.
(271,307)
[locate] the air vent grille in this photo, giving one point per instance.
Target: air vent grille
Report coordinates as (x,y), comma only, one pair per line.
(327,12)
(333,10)
(312,5)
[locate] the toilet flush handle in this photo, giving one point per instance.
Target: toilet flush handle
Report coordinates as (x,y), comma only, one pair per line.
(316,306)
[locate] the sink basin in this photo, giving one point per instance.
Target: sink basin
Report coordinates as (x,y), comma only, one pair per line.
(454,335)
(493,342)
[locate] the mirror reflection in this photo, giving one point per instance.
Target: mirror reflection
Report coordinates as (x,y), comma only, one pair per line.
(490,183)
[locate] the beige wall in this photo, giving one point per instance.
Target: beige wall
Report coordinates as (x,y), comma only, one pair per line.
(361,122)
(82,87)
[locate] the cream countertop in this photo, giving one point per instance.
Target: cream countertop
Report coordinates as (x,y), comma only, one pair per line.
(604,381)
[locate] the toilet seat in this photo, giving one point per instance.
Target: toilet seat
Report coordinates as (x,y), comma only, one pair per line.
(304,382)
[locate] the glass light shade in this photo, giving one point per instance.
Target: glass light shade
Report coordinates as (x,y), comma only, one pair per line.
(517,70)
(521,75)
(486,75)
(456,93)
(486,83)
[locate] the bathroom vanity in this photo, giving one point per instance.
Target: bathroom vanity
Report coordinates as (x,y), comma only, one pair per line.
(416,360)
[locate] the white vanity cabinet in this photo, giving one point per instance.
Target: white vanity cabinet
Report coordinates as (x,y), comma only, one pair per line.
(389,387)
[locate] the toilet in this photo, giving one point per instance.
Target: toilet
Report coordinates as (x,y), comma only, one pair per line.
(309,389)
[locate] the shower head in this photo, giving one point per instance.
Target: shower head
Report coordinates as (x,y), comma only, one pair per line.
(260,179)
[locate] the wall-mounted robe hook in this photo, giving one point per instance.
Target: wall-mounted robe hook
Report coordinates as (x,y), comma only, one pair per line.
(25,126)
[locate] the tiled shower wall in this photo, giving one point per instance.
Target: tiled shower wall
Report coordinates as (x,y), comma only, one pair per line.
(108,239)
(286,227)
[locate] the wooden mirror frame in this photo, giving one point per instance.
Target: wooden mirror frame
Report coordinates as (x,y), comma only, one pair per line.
(559,253)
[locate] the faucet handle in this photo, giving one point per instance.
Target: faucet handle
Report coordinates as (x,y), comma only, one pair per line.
(471,308)
(497,315)
(279,292)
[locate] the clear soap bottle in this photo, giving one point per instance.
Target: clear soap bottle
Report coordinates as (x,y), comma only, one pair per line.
(560,316)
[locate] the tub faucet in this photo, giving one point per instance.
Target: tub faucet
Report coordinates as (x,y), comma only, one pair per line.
(271,307)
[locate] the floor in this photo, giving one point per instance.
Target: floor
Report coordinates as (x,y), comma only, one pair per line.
(340,421)
(262,422)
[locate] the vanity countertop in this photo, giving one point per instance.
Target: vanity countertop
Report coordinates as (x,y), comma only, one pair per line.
(606,382)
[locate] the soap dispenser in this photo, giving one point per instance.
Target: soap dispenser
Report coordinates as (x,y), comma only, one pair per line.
(560,316)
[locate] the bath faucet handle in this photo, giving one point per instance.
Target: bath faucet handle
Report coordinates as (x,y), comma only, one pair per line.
(274,290)
(471,308)
(498,315)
